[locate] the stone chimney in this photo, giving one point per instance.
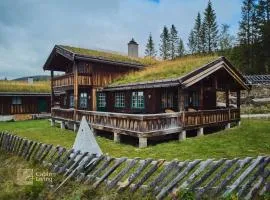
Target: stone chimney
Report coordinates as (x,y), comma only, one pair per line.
(133,48)
(30,80)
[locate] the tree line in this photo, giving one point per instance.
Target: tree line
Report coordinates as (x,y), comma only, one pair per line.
(248,51)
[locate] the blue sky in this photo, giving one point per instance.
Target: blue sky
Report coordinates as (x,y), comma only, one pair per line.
(30,28)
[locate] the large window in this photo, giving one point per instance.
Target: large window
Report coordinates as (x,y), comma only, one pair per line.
(16,100)
(83,100)
(71,101)
(101,100)
(167,99)
(137,100)
(119,100)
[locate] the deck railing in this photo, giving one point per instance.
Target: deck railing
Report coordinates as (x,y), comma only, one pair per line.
(68,80)
(145,123)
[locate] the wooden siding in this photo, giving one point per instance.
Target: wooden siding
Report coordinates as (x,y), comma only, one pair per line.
(29,105)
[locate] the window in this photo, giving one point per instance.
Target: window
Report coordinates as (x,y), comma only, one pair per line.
(101,100)
(137,100)
(16,100)
(119,100)
(83,100)
(195,99)
(167,99)
(71,101)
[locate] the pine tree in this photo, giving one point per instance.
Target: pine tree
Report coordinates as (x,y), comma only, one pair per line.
(211,28)
(180,48)
(165,44)
(150,47)
(173,42)
(191,42)
(225,39)
(198,34)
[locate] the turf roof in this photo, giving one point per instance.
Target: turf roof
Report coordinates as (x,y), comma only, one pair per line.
(110,56)
(166,70)
(23,86)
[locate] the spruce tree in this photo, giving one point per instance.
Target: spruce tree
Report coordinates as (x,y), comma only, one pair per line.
(191,42)
(211,28)
(173,42)
(180,48)
(150,47)
(198,34)
(165,44)
(225,39)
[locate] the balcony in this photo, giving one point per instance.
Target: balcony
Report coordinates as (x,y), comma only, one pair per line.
(67,80)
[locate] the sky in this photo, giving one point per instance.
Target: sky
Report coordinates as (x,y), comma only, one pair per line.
(29,29)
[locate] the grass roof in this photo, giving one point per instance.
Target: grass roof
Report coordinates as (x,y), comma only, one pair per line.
(166,70)
(110,56)
(23,86)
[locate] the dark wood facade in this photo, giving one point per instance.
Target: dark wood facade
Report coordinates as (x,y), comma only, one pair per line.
(11,104)
(143,110)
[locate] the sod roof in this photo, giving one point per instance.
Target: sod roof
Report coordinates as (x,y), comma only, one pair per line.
(24,87)
(109,56)
(166,70)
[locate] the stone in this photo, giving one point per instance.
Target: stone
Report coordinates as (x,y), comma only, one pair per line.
(85,140)
(62,124)
(116,137)
(228,126)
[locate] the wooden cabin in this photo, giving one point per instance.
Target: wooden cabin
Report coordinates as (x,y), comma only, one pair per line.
(20,97)
(12,103)
(126,96)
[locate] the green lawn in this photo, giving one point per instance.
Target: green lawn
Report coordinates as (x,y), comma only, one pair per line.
(252,138)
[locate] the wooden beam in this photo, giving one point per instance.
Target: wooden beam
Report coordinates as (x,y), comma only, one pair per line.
(201,96)
(238,98)
(94,99)
(75,71)
(227,93)
(181,100)
(52,91)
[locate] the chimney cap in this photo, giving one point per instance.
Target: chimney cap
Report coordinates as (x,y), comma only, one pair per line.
(132,41)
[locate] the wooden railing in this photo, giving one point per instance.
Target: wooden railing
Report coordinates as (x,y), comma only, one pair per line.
(145,123)
(64,80)
(209,117)
(68,80)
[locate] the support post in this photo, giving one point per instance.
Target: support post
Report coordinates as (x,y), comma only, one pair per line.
(75,127)
(228,126)
(181,99)
(142,142)
(52,91)
(52,122)
(200,132)
(116,137)
(94,99)
(182,135)
(239,123)
(62,124)
(238,102)
(75,87)
(201,96)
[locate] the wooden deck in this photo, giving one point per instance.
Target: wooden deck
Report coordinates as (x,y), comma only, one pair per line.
(68,80)
(149,125)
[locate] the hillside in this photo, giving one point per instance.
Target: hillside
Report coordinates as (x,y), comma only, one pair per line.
(35,78)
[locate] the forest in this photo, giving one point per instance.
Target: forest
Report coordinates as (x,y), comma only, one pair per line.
(249,50)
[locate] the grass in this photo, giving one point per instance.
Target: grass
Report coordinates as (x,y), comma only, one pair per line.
(166,69)
(10,189)
(23,86)
(250,139)
(110,56)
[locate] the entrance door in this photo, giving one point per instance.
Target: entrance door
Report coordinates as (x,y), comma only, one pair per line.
(42,105)
(209,100)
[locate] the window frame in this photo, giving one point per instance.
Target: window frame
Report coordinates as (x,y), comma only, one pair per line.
(119,100)
(101,100)
(16,100)
(85,98)
(137,100)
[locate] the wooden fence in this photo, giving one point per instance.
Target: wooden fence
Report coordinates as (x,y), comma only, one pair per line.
(246,177)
